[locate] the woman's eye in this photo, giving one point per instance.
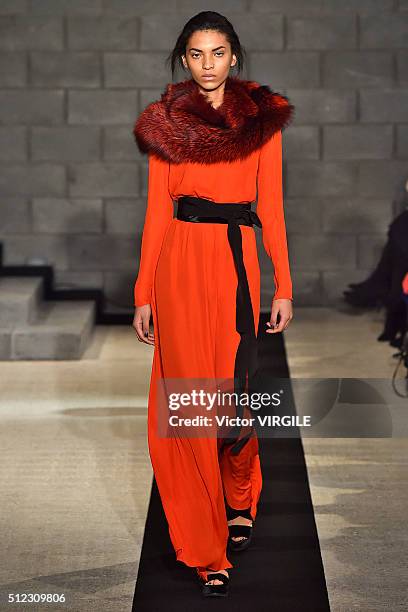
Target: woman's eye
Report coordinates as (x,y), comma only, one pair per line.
(197,55)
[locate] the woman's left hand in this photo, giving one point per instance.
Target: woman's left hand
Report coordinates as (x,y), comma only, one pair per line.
(283,306)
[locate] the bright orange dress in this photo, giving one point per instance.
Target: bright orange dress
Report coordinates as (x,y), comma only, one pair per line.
(187,275)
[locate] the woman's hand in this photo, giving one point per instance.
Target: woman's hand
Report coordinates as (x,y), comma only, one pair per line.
(141,324)
(283,306)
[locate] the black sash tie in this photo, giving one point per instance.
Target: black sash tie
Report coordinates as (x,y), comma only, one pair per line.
(201,210)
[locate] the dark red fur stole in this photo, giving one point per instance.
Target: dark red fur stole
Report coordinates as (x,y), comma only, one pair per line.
(183,126)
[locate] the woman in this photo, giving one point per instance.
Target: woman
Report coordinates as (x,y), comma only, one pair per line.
(212,141)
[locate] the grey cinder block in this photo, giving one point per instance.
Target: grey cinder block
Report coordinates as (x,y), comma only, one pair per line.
(381,178)
(124,216)
(357,69)
(120,145)
(135,69)
(13,69)
(66,216)
(303,214)
(66,143)
(323,251)
(19,32)
(322,7)
(352,215)
(29,250)
(107,33)
(101,179)
(357,142)
(387,105)
(66,7)
(323,105)
(102,252)
(402,141)
(68,69)
(102,107)
(15,215)
(13,143)
(402,67)
(32,179)
(31,107)
(13,7)
(301,142)
(320,178)
(384,31)
(286,69)
(327,32)
(141,7)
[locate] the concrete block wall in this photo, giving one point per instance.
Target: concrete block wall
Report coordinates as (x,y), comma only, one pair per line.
(74,75)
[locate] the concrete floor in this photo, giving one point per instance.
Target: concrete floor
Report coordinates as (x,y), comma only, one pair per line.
(358,485)
(75,471)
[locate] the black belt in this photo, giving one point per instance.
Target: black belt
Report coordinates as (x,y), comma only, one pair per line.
(201,210)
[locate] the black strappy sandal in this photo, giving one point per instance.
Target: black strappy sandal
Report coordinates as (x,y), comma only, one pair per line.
(245,531)
(214,590)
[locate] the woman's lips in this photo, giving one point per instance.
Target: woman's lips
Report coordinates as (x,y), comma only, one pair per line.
(208,77)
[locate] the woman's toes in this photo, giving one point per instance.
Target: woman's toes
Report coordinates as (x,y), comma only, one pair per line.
(215,580)
(240,520)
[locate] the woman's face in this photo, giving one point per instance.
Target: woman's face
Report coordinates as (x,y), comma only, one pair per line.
(208,53)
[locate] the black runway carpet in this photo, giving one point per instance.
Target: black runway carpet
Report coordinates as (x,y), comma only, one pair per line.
(282,570)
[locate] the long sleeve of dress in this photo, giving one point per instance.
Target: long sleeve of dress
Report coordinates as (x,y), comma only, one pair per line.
(271,213)
(159,213)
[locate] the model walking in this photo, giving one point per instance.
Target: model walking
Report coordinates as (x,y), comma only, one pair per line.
(214,143)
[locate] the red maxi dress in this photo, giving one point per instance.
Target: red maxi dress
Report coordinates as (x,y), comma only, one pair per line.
(188,277)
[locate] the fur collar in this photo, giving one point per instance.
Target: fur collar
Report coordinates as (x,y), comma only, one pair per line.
(184,127)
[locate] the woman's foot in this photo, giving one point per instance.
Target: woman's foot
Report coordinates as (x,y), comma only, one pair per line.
(240,520)
(240,524)
(216,580)
(216,585)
